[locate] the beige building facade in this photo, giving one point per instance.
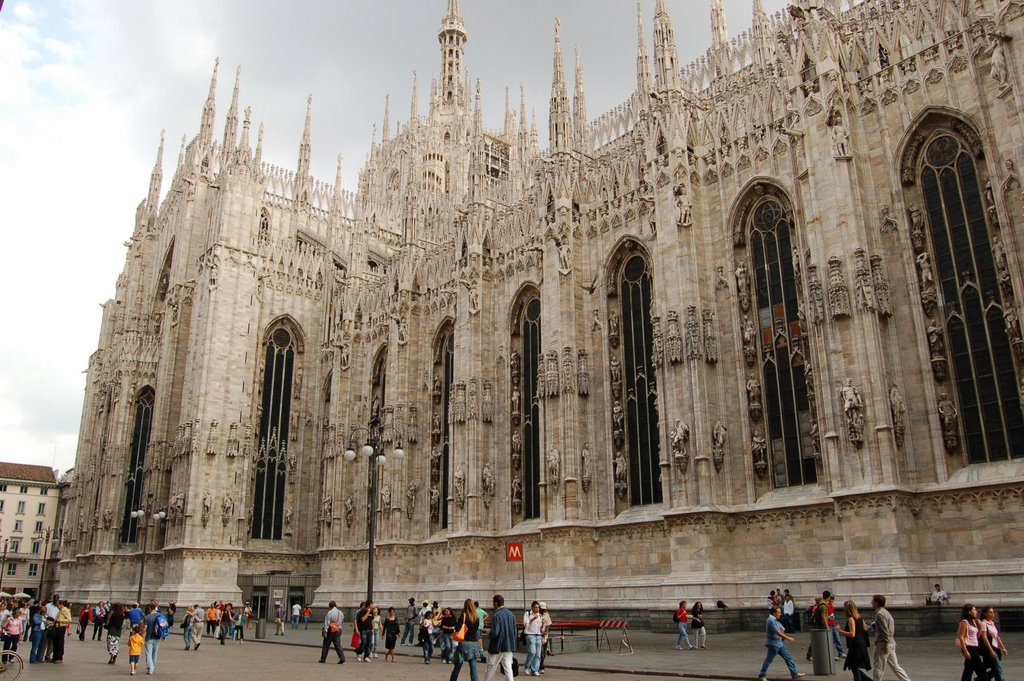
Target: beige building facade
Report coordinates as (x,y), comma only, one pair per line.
(755,326)
(29,502)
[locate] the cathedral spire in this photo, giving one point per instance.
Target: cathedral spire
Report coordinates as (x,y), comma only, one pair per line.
(452,37)
(210,107)
(665,56)
(510,120)
(243,146)
(387,119)
(643,61)
(156,177)
(258,158)
(579,109)
(719,30)
(478,116)
(337,175)
(181,154)
(559,134)
(761,30)
(414,111)
(302,173)
(231,124)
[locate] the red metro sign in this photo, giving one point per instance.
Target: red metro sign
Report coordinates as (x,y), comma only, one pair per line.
(514,552)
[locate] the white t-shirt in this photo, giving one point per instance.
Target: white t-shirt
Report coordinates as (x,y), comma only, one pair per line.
(939,596)
(296,610)
(532,622)
(788,607)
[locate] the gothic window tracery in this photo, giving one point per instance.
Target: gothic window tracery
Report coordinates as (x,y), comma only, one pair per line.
(264,231)
(143,423)
(640,396)
(528,345)
(780,341)
(444,367)
(271,464)
(979,320)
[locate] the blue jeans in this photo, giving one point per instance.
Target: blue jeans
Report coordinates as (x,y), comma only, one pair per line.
(365,642)
(37,646)
(533,652)
(295,621)
(780,650)
(683,636)
(468,651)
(428,648)
(188,636)
(152,648)
(305,620)
(837,640)
(408,634)
(447,646)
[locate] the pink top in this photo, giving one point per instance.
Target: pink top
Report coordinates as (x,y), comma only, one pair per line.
(990,629)
(972,634)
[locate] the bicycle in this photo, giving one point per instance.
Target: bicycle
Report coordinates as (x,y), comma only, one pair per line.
(11,665)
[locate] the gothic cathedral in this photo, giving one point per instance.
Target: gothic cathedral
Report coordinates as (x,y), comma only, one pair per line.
(757,324)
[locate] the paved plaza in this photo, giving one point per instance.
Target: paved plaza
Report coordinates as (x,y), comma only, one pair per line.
(294,656)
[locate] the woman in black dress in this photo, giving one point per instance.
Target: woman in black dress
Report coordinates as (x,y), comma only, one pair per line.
(858,660)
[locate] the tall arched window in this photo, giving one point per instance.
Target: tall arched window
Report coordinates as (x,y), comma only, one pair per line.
(271,466)
(137,462)
(440,459)
(782,353)
(641,388)
(527,432)
(971,302)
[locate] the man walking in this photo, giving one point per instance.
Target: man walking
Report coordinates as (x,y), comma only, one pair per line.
(296,613)
(364,625)
(153,636)
(99,612)
(830,601)
(279,615)
(501,641)
(411,611)
(884,652)
(332,633)
(776,635)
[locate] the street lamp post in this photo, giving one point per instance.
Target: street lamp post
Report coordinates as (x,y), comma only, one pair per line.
(45,536)
(3,563)
(375,456)
(142,515)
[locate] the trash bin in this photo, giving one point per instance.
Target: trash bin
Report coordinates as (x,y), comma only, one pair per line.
(821,652)
(261,628)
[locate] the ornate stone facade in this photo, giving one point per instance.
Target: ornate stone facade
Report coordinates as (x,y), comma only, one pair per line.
(818,399)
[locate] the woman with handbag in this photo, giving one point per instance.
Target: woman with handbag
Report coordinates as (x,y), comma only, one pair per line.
(700,636)
(426,637)
(467,638)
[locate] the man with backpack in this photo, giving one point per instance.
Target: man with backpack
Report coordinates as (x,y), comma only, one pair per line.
(157,629)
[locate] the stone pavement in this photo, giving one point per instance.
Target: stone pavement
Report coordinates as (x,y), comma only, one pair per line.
(730,657)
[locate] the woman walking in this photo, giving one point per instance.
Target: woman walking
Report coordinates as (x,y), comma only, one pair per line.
(198,624)
(425,637)
(37,621)
(240,620)
(115,622)
(12,629)
(391,628)
(468,649)
(700,636)
(227,620)
(993,648)
(967,642)
(856,633)
(186,627)
(532,621)
(448,620)
(682,617)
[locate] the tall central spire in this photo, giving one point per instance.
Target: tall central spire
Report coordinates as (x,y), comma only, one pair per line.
(643,62)
(559,132)
(719,30)
(665,55)
(453,38)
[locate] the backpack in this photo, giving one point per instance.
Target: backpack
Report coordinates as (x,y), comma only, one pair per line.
(811,616)
(675,616)
(162,628)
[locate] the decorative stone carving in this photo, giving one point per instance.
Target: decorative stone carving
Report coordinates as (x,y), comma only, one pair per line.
(926,282)
(486,404)
(1013,333)
(350,511)
(564,254)
(473,401)
(327,509)
(754,406)
(613,328)
(435,427)
(675,342)
(552,373)
(232,449)
(435,464)
(999,70)
(710,337)
(414,424)
(554,464)
(840,135)
(178,507)
(937,347)
(459,486)
(719,437)
(582,373)
(853,410)
(568,371)
(385,498)
(743,287)
(459,403)
(108,518)
(838,293)
(615,369)
(403,331)
(435,505)
(721,283)
(487,484)
(517,495)
(1002,270)
(694,349)
(749,340)
(816,309)
(618,423)
(990,205)
(287,521)
(815,440)
(619,468)
(864,293)
(657,342)
(345,356)
(517,450)
(898,412)
(207,507)
(411,492)
(211,438)
(680,436)
(759,453)
(950,419)
(585,476)
(472,297)
(436,393)
(883,296)
(514,368)
(684,208)
(917,239)
(541,377)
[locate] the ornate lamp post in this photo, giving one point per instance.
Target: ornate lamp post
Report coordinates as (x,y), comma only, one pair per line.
(375,456)
(142,515)
(3,563)
(45,537)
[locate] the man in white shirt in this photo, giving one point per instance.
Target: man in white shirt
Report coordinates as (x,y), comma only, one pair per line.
(938,596)
(333,622)
(296,612)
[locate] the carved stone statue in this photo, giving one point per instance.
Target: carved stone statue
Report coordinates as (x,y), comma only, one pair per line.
(564,255)
(838,293)
(926,282)
(754,397)
(435,464)
(227,508)
(517,495)
(950,423)
(410,499)
(680,436)
(916,228)
(385,498)
(435,504)
(207,505)
(517,450)
(759,452)
(936,341)
(1002,270)
(327,509)
(554,464)
(999,71)
(840,135)
(619,467)
(719,436)
(585,477)
(853,410)
(459,484)
(749,340)
(743,287)
(487,484)
(582,374)
(898,412)
(350,511)
(288,515)
(108,518)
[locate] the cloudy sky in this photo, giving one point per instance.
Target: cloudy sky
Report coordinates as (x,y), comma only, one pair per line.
(86,87)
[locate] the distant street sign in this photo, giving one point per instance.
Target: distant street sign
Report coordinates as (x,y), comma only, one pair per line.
(514,552)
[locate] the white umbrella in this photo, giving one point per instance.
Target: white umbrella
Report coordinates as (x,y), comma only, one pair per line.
(4,594)
(22,594)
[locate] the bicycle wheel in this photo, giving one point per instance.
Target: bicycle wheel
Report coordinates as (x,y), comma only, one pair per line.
(11,665)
